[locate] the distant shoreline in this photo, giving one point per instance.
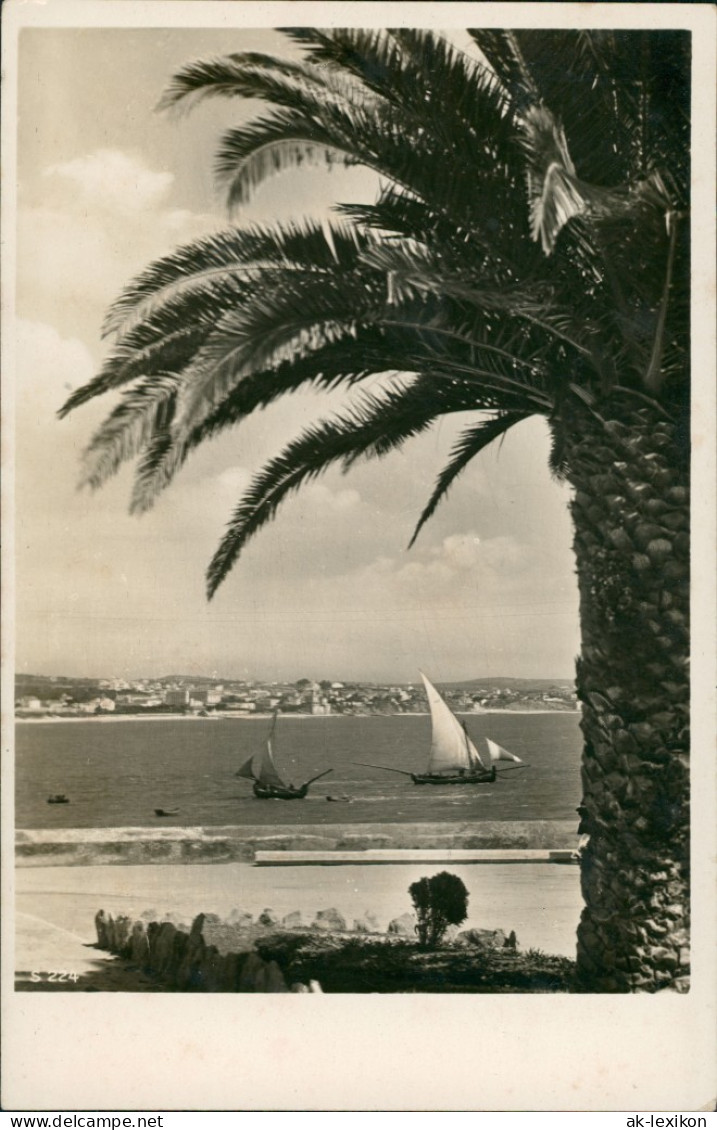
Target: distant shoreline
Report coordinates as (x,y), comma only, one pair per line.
(259,717)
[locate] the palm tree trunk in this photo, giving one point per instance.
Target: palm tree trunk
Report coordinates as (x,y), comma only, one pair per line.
(631,518)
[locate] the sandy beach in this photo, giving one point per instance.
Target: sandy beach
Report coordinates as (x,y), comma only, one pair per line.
(227,716)
(103,718)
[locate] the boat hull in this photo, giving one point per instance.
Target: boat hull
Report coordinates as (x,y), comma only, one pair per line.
(273,792)
(486,778)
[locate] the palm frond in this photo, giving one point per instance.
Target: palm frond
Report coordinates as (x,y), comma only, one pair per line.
(414,71)
(502,50)
(399,212)
(277,323)
(280,324)
(375,426)
(153,456)
(345,362)
(250,74)
(558,461)
(244,251)
(459,115)
(171,354)
(251,155)
(367,55)
(653,376)
(171,309)
(142,411)
(528,246)
(458,383)
(470,443)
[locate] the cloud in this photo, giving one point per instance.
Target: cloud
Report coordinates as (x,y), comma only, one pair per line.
(311,504)
(460,551)
(48,366)
(113,181)
(464,569)
(100,219)
(460,566)
(320,496)
(74,263)
(233,482)
(468,551)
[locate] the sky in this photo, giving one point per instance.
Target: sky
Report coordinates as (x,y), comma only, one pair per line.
(104,185)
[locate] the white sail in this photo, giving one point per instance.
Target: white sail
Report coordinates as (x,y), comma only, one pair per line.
(497,753)
(451,747)
(247,769)
(268,773)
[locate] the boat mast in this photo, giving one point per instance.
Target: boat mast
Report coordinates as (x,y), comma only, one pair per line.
(451,749)
(270,739)
(268,773)
(471,766)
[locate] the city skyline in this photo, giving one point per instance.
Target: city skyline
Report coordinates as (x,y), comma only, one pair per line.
(290,681)
(105,184)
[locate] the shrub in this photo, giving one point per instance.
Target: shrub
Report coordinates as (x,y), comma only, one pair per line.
(439,902)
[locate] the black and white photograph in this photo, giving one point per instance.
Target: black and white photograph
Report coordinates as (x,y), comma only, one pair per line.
(359,546)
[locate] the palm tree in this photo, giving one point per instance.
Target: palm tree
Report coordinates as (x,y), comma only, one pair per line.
(527,254)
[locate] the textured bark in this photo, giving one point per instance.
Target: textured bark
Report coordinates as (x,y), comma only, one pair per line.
(631,518)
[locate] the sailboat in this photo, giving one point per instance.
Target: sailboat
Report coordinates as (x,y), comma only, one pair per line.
(267,783)
(454,758)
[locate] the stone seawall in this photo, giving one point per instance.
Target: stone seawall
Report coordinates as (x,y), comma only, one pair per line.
(85,846)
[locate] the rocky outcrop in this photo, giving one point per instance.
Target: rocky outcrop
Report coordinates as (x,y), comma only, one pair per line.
(404,926)
(187,961)
(187,975)
(329,919)
(102,922)
(483,939)
(293,921)
(139,944)
(366,924)
(270,979)
(119,932)
(240,918)
(229,955)
(162,947)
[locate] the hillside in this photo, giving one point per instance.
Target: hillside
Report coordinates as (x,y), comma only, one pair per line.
(506,682)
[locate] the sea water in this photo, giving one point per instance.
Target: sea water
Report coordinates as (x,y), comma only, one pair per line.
(116,772)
